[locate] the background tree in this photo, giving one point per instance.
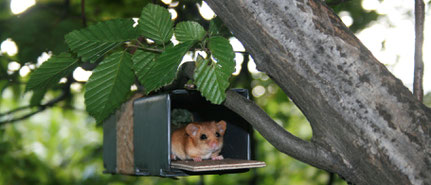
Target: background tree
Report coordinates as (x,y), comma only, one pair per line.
(362,128)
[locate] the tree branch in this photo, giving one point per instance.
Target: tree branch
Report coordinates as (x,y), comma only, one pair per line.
(64,94)
(418,91)
(40,108)
(21,118)
(284,141)
(15,110)
(358,111)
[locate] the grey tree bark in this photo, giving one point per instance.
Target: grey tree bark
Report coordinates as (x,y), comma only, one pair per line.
(367,126)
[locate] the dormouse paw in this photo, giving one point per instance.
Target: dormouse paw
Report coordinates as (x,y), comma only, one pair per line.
(220,157)
(197,159)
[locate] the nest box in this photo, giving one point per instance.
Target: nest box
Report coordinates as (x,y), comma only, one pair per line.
(136,139)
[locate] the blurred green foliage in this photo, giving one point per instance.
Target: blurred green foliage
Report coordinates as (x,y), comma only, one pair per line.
(361,17)
(62,145)
(427,99)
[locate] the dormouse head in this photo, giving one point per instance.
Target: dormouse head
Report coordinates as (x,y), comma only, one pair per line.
(207,135)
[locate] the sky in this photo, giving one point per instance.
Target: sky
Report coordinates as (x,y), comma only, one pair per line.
(395,29)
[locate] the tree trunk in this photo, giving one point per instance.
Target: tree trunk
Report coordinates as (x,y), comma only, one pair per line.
(367,126)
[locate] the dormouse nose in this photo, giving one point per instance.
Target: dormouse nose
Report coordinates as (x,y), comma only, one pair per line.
(213,144)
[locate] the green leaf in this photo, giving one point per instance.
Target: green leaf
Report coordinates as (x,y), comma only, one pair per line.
(51,71)
(109,85)
(189,31)
(222,51)
(38,30)
(37,96)
(155,23)
(217,28)
(95,41)
(212,77)
(165,68)
(211,80)
(143,63)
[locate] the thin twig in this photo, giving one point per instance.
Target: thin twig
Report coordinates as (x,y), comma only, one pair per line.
(152,49)
(83,17)
(418,91)
(15,110)
(331,178)
(145,48)
(21,118)
(201,180)
(242,52)
(40,108)
(64,94)
(333,3)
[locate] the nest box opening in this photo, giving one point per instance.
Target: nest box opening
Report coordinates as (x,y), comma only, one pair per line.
(142,145)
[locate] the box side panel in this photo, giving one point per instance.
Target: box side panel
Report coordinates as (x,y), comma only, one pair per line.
(110,145)
(151,134)
(236,142)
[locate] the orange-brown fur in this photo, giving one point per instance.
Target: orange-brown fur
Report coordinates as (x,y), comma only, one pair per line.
(187,142)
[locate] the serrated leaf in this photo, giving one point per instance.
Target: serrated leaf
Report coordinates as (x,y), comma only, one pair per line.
(143,62)
(189,31)
(212,77)
(211,80)
(165,68)
(222,51)
(215,26)
(95,41)
(51,71)
(155,23)
(109,85)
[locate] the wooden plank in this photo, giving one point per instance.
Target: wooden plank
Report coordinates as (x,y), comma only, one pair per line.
(216,165)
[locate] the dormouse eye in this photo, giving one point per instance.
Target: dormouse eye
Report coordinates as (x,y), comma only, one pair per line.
(203,137)
(218,134)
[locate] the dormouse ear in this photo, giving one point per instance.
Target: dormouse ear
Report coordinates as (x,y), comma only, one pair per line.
(192,129)
(221,126)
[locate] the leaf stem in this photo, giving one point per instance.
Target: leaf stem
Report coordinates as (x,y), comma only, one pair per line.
(145,48)
(152,49)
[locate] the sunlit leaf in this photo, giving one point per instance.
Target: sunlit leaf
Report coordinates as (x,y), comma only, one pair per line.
(189,31)
(109,85)
(155,23)
(95,41)
(51,71)
(165,68)
(222,51)
(211,80)
(212,77)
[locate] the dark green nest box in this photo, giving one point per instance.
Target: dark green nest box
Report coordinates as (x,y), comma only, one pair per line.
(141,146)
